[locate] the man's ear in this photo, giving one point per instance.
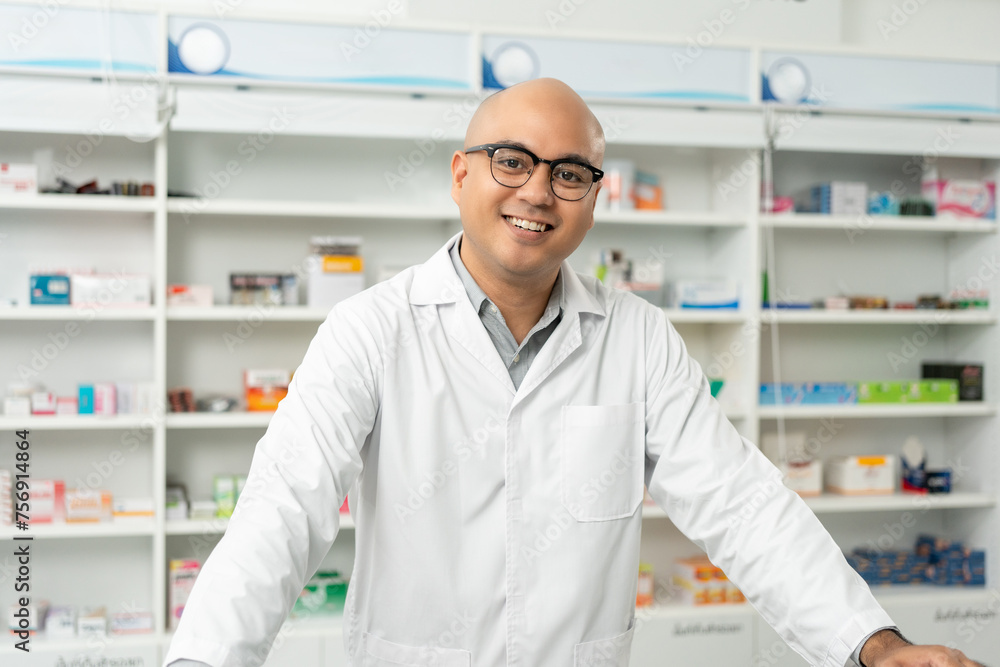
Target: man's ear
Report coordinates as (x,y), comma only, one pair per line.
(459,170)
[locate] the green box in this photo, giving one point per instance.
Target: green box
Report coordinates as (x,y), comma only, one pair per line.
(224,495)
(932,391)
(881,392)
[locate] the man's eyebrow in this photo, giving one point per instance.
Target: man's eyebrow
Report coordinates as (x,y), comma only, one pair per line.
(568,156)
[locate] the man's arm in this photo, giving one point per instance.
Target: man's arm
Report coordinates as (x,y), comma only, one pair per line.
(888,648)
(288,514)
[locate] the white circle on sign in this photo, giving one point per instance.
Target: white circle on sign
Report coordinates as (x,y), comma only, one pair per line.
(514,63)
(203,48)
(788,80)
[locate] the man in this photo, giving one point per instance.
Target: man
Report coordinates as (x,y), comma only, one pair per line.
(499,414)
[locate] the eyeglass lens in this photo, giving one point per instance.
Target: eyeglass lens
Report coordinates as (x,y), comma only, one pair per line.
(512,168)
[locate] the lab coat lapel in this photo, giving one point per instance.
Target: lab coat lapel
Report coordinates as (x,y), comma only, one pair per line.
(436,282)
(579,305)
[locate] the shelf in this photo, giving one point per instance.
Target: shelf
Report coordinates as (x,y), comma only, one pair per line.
(301,209)
(819,316)
(670,218)
(47,313)
(67,202)
(218,526)
(219,419)
(240,313)
(89,646)
(76,422)
(704,315)
(970,409)
(121,528)
(831,504)
(859,224)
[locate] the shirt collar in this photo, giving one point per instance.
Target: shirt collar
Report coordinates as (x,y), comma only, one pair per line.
(557,298)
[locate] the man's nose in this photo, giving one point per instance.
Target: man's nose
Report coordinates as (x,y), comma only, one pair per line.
(537,190)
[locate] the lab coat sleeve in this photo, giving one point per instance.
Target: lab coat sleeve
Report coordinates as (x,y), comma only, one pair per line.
(722,493)
(288,514)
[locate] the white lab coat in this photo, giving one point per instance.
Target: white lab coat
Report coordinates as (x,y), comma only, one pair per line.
(500,527)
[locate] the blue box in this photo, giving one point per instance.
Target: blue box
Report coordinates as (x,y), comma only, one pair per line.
(791,393)
(86,400)
(829,393)
(49,290)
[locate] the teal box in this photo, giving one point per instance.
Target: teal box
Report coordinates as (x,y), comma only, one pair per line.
(49,290)
(86,399)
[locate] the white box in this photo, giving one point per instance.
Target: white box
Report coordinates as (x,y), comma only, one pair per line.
(17,406)
(35,618)
(105,290)
(131,623)
(199,296)
(333,278)
(105,402)
(706,293)
(803,477)
(861,475)
(132,508)
(87,505)
(18,179)
(43,403)
(93,622)
(60,623)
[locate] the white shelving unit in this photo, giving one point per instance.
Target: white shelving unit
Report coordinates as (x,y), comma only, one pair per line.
(329,177)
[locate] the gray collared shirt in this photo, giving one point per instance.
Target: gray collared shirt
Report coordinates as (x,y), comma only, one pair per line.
(516,358)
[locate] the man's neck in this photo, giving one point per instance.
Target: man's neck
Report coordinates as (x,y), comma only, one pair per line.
(521,302)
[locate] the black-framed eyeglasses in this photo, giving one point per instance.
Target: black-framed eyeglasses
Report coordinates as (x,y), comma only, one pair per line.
(512,166)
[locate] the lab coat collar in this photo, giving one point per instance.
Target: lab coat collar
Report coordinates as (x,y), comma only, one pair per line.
(436,282)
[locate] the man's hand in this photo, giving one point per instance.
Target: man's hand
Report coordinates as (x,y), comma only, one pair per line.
(889,649)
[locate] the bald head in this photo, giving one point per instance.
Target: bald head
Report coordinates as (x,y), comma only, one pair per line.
(549,99)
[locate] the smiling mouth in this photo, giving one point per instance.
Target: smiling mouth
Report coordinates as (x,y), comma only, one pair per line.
(530,225)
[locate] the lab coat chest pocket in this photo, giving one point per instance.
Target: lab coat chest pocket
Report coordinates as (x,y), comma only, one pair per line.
(601,448)
(379,652)
(613,652)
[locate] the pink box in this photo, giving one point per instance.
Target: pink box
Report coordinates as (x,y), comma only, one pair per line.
(964,198)
(105,400)
(66,405)
(43,403)
(46,501)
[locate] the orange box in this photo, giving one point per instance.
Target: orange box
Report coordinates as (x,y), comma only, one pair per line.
(264,389)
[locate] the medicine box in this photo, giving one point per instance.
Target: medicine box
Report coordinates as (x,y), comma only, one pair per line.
(803,477)
(105,399)
(49,290)
(706,293)
(785,393)
(181,580)
(131,623)
(66,405)
(264,389)
(861,475)
(132,508)
(6,499)
(961,198)
(60,623)
(224,494)
(43,403)
(259,289)
(968,376)
(199,296)
(110,290)
(93,622)
(34,621)
(17,406)
(18,178)
(87,505)
(333,278)
(47,500)
(85,399)
(838,198)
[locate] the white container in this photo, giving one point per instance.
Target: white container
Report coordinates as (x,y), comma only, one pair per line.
(861,475)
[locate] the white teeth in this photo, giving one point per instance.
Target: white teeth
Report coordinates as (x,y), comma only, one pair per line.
(527,224)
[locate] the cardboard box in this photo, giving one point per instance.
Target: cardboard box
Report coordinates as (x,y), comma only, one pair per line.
(60,623)
(18,179)
(43,403)
(183,574)
(49,290)
(706,293)
(87,506)
(333,278)
(861,475)
(105,399)
(199,296)
(803,477)
(105,290)
(131,623)
(17,406)
(264,389)
(961,198)
(47,500)
(132,508)
(93,622)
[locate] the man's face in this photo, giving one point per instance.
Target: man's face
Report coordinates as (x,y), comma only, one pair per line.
(492,242)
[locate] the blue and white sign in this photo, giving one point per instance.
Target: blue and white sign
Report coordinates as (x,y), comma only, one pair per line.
(51,36)
(368,54)
(598,69)
(873,83)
